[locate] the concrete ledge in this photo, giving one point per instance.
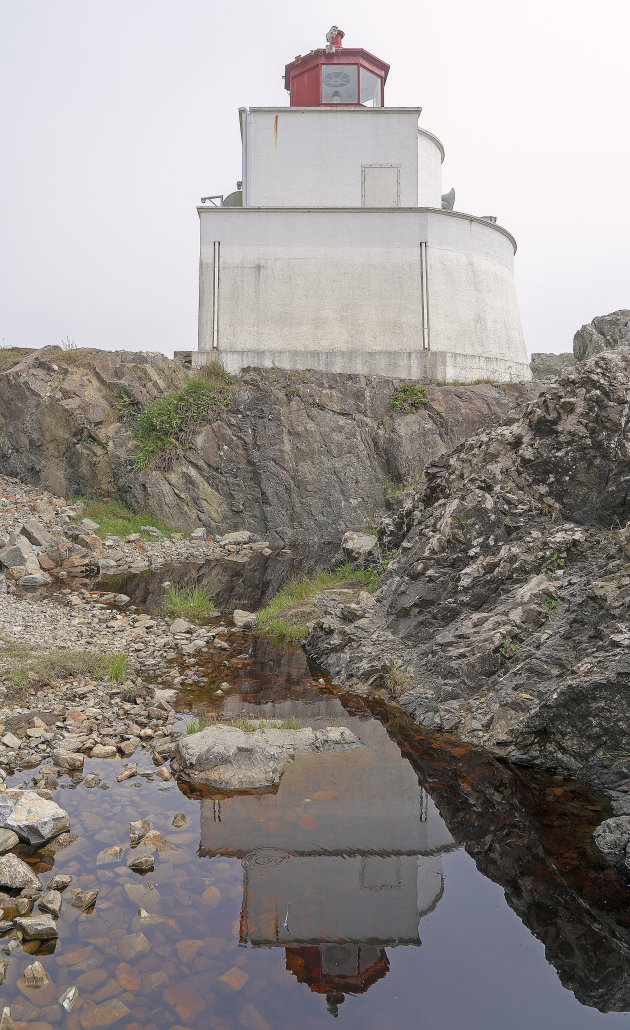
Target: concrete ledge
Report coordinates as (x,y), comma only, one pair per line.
(424,366)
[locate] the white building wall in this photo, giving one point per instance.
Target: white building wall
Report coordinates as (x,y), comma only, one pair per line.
(313,156)
(340,291)
(430,157)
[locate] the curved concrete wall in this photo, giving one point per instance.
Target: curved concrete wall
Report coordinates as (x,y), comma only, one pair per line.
(430,157)
(341,291)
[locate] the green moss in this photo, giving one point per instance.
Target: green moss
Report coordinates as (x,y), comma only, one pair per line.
(407,398)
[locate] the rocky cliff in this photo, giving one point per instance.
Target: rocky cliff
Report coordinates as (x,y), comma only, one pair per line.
(504,612)
(296,457)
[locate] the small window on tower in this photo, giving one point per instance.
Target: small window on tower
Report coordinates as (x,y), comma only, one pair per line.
(370,89)
(340,84)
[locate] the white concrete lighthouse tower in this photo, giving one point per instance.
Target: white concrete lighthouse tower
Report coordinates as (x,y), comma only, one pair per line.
(339,253)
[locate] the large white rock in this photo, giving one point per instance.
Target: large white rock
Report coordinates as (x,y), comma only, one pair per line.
(16,875)
(359,546)
(228,758)
(33,818)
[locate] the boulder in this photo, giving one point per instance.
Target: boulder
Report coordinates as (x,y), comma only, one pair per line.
(34,579)
(243,619)
(72,761)
(36,534)
(37,928)
(359,546)
(181,626)
(16,875)
(33,818)
(229,758)
(8,840)
(240,537)
(613,838)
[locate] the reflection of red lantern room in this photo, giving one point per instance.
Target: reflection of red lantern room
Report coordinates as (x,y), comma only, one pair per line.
(336,76)
(337,969)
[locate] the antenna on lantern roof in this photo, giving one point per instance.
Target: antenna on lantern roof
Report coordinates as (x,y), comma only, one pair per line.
(333,39)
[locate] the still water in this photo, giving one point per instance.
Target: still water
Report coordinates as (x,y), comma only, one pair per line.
(408,883)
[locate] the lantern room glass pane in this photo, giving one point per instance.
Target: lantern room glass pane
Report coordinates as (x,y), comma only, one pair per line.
(340,84)
(370,89)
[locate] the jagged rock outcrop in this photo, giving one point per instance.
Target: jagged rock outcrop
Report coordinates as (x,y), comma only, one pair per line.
(546,367)
(604,333)
(298,455)
(504,613)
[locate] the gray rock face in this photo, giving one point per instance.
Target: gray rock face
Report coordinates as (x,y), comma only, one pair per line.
(603,333)
(504,614)
(297,456)
(16,875)
(232,759)
(33,818)
(546,367)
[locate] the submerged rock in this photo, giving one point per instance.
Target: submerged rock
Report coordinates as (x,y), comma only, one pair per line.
(234,759)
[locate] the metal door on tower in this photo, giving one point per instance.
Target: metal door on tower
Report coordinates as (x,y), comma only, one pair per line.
(380,185)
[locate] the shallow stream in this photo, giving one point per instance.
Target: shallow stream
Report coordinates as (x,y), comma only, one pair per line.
(409,883)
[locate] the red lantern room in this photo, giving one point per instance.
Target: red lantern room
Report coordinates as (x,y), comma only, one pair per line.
(333,76)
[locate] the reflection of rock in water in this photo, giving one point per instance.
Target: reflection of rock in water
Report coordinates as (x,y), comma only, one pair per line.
(343,860)
(336,970)
(531,834)
(248,579)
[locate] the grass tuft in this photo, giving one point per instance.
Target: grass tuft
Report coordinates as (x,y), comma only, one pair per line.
(242,722)
(286,617)
(116,519)
(25,665)
(165,427)
(191,602)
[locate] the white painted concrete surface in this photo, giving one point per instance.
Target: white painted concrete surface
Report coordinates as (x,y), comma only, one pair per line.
(313,156)
(340,290)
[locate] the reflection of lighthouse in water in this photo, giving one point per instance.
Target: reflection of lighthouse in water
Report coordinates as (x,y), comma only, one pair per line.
(340,863)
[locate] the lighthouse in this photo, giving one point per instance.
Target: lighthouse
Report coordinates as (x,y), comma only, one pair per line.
(338,251)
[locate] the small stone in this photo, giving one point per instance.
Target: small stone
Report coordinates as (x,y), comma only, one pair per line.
(70,760)
(35,976)
(35,579)
(37,928)
(128,977)
(69,998)
(180,819)
(109,856)
(50,902)
(142,864)
(6,1023)
(16,875)
(244,620)
(33,818)
(211,896)
(235,978)
(91,780)
(181,626)
(133,945)
(10,740)
(131,770)
(106,1014)
(8,840)
(59,882)
(138,829)
(104,751)
(84,899)
(22,906)
(163,773)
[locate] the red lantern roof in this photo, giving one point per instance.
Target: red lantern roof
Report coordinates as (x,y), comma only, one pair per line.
(333,75)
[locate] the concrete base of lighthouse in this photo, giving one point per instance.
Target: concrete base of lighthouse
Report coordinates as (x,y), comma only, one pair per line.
(412,293)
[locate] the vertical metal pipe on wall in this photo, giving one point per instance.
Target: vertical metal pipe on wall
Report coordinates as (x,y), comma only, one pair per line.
(424,297)
(216,260)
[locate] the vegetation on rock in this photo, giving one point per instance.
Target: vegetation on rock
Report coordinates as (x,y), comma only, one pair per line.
(191,602)
(166,426)
(116,519)
(408,397)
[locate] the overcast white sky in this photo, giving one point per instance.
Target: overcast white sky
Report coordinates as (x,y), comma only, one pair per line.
(117,116)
